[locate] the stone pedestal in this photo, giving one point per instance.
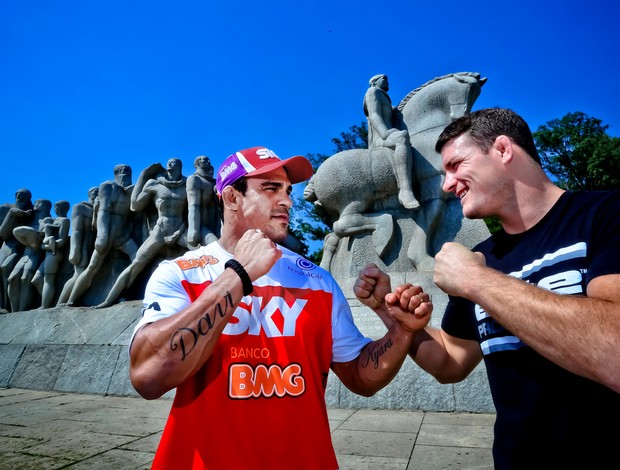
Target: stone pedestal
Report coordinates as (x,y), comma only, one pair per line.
(412,388)
(85,350)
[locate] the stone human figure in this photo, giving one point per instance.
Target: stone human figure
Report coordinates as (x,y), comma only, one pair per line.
(82,240)
(203,222)
(54,245)
(19,213)
(113,222)
(382,133)
(20,289)
(166,189)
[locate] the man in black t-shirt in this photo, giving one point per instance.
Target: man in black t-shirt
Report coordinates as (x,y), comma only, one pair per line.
(539,300)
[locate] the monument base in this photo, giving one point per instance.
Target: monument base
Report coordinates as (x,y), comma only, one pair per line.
(85,350)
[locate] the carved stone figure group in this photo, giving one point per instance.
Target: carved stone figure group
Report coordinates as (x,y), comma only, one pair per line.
(96,255)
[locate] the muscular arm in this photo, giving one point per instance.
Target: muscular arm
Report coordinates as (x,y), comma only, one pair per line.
(447,358)
(579,333)
(377,363)
(193,205)
(141,192)
(159,362)
(381,360)
(14,218)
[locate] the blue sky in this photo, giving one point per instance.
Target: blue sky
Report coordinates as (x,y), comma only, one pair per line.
(85,85)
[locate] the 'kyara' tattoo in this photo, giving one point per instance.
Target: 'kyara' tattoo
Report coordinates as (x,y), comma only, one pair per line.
(374,352)
(186,339)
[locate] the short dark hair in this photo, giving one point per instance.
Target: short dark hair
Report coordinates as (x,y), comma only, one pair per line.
(240,185)
(485,125)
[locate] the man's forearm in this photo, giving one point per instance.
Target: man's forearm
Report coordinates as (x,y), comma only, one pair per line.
(164,353)
(576,332)
(380,361)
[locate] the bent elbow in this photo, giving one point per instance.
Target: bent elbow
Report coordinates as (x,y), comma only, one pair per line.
(363,392)
(147,389)
(445,380)
(366,393)
(366,389)
(146,392)
(444,377)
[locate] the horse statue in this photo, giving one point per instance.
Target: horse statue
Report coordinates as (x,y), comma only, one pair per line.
(358,187)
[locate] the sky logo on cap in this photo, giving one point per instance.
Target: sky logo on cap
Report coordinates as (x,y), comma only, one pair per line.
(266,153)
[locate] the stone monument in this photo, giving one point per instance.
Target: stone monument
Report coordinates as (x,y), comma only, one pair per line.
(387,206)
(360,190)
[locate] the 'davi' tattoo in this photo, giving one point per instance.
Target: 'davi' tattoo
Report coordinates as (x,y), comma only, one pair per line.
(185,339)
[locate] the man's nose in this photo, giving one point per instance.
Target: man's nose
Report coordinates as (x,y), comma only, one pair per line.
(287,201)
(449,183)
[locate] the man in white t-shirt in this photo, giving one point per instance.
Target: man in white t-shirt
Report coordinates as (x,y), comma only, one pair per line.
(247,332)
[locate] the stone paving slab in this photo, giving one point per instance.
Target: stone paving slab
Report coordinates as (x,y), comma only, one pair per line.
(450,458)
(374,444)
(55,430)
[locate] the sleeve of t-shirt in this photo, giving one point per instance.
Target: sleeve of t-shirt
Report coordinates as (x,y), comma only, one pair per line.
(457,321)
(348,340)
(163,296)
(604,250)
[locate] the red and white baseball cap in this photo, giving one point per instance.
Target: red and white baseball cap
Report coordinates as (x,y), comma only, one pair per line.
(257,161)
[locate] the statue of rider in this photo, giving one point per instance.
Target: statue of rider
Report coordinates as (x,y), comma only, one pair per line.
(382,133)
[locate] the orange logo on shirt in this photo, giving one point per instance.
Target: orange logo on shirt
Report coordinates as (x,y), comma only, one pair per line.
(246,381)
(192,263)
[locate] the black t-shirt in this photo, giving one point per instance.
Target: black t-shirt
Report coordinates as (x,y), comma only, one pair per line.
(547,415)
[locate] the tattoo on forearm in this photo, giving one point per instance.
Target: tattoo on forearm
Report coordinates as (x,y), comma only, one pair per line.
(374,352)
(186,339)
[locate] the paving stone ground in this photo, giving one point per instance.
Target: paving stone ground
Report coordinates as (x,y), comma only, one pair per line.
(56,430)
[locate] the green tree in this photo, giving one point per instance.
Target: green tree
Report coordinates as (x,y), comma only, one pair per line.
(355,138)
(311,223)
(578,153)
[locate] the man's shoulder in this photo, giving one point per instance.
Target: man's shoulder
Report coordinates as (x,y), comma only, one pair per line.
(196,180)
(162,181)
(107,186)
(112,187)
(296,263)
(593,199)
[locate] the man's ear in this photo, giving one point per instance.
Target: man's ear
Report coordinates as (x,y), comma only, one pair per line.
(230,198)
(503,146)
